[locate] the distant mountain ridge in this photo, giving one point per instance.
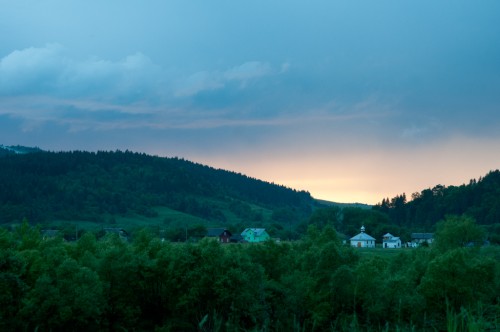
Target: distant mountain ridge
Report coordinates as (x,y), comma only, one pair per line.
(17,149)
(96,186)
(81,185)
(344,205)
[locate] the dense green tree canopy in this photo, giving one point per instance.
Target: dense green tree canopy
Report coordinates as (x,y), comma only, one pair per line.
(479,200)
(316,284)
(457,232)
(86,186)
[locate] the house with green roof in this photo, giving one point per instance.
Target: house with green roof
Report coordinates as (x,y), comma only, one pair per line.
(254,235)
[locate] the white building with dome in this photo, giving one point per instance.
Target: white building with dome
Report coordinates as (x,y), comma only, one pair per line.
(363,240)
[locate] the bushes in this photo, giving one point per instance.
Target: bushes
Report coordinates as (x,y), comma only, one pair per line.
(314,285)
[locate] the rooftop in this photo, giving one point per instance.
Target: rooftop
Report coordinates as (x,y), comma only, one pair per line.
(422,235)
(363,237)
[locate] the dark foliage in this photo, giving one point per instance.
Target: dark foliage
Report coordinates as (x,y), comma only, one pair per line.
(480,200)
(85,186)
(311,285)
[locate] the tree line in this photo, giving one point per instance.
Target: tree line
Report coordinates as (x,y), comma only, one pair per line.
(70,186)
(316,284)
(479,199)
(85,186)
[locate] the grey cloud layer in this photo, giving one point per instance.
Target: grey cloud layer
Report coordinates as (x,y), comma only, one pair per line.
(429,67)
(48,70)
(44,83)
(362,92)
(206,81)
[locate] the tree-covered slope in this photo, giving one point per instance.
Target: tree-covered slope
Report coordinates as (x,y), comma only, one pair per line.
(17,149)
(479,199)
(84,186)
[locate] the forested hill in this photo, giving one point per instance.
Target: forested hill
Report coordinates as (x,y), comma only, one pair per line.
(479,199)
(84,186)
(17,149)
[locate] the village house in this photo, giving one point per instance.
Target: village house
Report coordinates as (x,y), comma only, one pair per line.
(221,234)
(122,234)
(362,240)
(49,233)
(344,238)
(254,235)
(417,239)
(237,238)
(391,241)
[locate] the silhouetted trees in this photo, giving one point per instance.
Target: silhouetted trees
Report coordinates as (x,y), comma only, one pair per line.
(316,284)
(479,200)
(85,186)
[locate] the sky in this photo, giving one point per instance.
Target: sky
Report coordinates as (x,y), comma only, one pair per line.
(353,101)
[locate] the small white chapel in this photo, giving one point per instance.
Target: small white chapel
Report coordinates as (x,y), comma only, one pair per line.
(363,240)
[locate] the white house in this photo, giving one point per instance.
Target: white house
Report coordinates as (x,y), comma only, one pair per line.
(391,241)
(363,240)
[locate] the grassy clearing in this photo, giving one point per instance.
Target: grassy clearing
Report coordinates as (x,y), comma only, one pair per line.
(383,252)
(165,218)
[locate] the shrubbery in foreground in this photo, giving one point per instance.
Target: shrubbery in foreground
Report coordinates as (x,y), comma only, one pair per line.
(311,285)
